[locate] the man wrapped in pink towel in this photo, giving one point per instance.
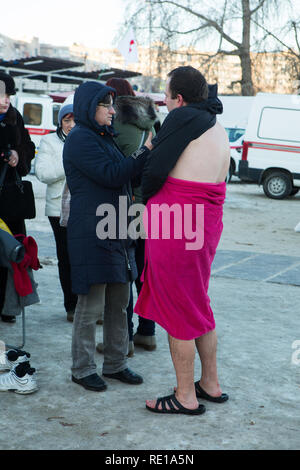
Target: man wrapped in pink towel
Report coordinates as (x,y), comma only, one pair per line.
(183,185)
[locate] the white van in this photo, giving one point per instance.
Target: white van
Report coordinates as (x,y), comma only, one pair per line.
(234,119)
(40,114)
(271,148)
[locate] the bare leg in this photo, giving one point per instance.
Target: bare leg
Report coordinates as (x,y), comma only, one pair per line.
(207,349)
(183,355)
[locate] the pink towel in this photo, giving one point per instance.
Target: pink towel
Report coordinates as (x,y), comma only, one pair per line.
(177,270)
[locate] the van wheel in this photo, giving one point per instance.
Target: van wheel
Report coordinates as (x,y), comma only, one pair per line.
(277,185)
(230,172)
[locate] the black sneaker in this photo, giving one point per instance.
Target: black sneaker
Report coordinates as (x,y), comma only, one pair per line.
(91,382)
(127,376)
(8,318)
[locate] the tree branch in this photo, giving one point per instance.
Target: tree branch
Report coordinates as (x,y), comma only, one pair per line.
(222,24)
(294,26)
(277,39)
(210,23)
(173,31)
(260,4)
(234,52)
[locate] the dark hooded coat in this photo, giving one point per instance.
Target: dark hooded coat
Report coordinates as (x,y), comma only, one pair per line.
(181,126)
(97,173)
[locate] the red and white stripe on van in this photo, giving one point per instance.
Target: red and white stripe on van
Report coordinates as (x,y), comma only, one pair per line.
(268,146)
(34,131)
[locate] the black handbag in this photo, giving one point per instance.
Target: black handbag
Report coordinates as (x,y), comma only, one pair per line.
(16,197)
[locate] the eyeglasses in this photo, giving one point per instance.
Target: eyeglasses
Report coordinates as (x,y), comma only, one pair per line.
(107,106)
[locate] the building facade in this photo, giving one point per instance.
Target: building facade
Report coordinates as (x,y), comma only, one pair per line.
(272,72)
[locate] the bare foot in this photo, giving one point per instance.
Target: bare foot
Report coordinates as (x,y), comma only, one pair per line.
(214,390)
(190,405)
(171,405)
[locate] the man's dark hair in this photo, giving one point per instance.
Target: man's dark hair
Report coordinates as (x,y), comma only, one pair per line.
(189,83)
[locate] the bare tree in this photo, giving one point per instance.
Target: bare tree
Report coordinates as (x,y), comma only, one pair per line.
(287,34)
(295,53)
(233,22)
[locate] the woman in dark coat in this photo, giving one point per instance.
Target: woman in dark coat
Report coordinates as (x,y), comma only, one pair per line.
(135,117)
(102,263)
(14,139)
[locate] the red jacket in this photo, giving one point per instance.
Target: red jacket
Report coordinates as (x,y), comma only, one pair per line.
(21,278)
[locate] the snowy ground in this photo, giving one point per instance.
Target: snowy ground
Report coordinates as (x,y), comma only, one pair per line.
(255,297)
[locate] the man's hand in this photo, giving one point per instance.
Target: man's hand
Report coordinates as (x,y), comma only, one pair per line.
(148,143)
(13,159)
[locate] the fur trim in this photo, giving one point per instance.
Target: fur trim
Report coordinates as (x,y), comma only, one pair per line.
(137,110)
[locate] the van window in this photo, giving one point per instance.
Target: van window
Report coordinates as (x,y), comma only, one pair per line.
(32,114)
(55,111)
(279,124)
(234,133)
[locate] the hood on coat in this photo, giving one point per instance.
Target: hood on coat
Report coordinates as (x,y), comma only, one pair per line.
(214,105)
(86,99)
(137,110)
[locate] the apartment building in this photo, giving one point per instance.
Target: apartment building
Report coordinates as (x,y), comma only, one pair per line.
(272,72)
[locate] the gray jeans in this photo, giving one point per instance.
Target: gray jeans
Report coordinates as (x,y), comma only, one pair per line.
(113,300)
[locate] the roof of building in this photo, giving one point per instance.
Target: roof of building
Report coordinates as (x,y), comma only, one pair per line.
(59,70)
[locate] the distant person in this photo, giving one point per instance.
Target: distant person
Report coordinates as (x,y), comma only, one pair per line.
(186,169)
(102,265)
(134,118)
(49,169)
(16,152)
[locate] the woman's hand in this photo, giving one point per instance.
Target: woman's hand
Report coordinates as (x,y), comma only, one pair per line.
(13,159)
(148,143)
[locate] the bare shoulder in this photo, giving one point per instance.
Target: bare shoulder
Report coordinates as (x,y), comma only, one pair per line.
(214,140)
(219,130)
(205,158)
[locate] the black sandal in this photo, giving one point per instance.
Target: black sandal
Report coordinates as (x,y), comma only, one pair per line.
(200,393)
(171,400)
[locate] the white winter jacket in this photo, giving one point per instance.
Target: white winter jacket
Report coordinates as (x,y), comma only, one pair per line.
(49,169)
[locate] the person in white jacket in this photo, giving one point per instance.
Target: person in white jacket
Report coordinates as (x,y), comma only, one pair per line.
(49,169)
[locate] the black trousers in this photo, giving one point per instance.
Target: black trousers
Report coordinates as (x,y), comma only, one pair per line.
(17,227)
(145,327)
(64,268)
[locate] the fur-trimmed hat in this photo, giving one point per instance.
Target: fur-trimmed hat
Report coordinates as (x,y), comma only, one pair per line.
(7,84)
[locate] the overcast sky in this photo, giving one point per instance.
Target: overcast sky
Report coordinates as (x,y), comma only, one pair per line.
(94,23)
